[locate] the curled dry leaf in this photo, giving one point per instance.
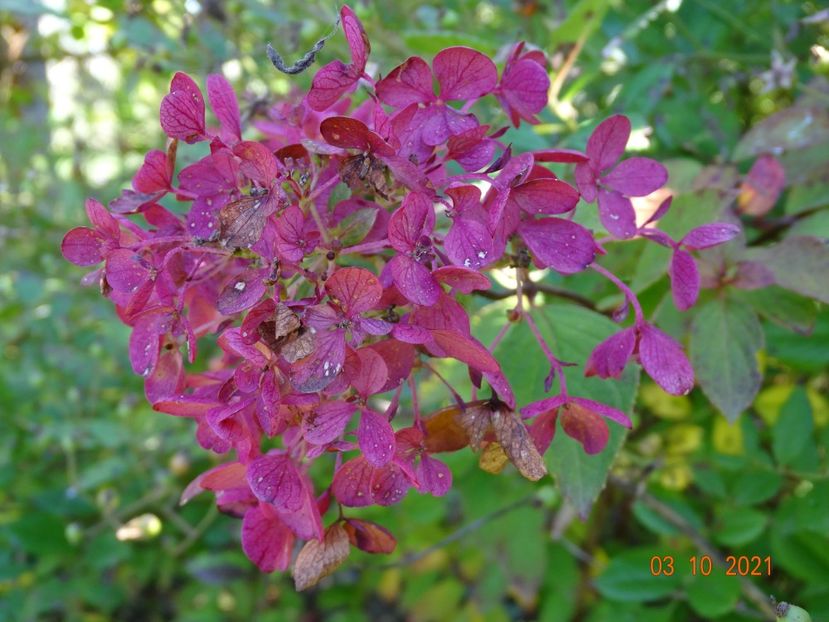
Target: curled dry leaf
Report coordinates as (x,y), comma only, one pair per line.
(319,558)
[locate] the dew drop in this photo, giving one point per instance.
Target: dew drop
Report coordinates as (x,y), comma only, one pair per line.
(210,225)
(467,262)
(481,254)
(614,217)
(240,286)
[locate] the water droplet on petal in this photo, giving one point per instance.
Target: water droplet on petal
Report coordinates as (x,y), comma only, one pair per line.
(240,286)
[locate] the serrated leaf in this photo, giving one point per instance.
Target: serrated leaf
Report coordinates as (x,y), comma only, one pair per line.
(801,264)
(725,340)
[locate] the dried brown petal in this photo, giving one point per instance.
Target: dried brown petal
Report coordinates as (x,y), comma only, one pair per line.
(285,321)
(298,346)
(242,221)
(444,430)
(476,420)
(319,558)
(515,439)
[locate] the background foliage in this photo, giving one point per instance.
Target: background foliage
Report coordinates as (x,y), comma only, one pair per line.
(90,527)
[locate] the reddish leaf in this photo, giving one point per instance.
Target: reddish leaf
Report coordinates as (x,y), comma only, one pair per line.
(465,349)
(762,186)
(241,293)
(544,196)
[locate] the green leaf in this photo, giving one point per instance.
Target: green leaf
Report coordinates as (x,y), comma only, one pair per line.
(793,440)
(738,528)
(356,226)
(572,332)
(431,42)
(628,577)
(788,309)
(725,339)
(753,487)
(800,264)
(806,197)
(714,595)
(581,20)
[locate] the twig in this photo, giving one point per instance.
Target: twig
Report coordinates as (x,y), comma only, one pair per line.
(534,288)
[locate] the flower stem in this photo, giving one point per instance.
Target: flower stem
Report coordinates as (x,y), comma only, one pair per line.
(628,293)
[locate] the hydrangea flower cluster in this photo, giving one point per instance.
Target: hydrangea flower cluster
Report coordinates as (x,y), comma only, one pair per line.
(321,302)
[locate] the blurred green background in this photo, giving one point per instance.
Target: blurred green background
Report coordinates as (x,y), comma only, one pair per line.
(90,527)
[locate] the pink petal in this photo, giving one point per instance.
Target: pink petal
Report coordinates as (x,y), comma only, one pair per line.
(433,476)
(637,177)
(560,244)
(604,410)
(241,293)
(257,162)
(560,155)
(585,178)
(290,235)
(376,438)
(409,83)
(464,280)
(543,430)
(125,270)
(414,281)
(356,37)
(664,361)
(182,110)
(330,83)
(469,243)
(762,186)
(327,422)
(414,219)
(607,142)
(275,479)
(154,175)
(167,378)
(409,333)
(266,540)
(225,107)
(389,484)
(586,427)
(685,281)
(145,341)
(523,90)
(441,122)
(356,289)
(352,483)
(465,349)
(82,246)
(464,73)
(545,196)
(348,133)
(372,374)
(617,214)
(609,358)
(319,369)
(710,235)
(542,406)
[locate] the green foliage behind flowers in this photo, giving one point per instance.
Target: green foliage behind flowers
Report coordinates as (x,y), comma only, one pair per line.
(84,462)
